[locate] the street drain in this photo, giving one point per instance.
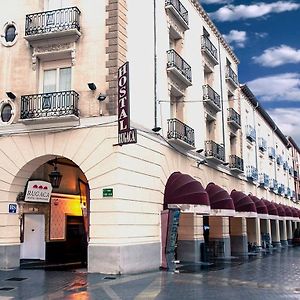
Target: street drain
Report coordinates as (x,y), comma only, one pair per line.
(109,277)
(16,279)
(6,289)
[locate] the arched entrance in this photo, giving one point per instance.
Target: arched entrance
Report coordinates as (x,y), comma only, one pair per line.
(54,231)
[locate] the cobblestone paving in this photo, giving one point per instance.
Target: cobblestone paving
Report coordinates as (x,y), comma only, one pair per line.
(272,276)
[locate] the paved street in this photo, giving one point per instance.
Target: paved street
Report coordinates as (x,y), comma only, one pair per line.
(273,276)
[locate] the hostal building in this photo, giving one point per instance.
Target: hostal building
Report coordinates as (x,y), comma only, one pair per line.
(125,135)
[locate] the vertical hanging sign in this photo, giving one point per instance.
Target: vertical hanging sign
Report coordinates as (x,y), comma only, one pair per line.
(125,134)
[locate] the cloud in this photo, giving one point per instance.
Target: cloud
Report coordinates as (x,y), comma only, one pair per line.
(287,119)
(261,35)
(216,1)
(238,12)
(277,56)
(236,38)
(280,87)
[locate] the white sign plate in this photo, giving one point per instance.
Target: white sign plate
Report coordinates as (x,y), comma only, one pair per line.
(38,191)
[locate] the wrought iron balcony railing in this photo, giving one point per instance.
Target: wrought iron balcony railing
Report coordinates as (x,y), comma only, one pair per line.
(230,75)
(288,192)
(285,166)
(251,173)
(179,131)
(272,153)
(214,150)
(55,104)
(262,144)
(279,160)
(208,46)
(281,189)
(211,97)
(234,117)
(264,180)
(179,8)
(58,20)
(236,163)
(296,174)
(273,185)
(291,171)
(250,133)
(177,62)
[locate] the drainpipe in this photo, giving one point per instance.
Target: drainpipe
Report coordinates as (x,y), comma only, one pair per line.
(155,63)
(222,108)
(256,142)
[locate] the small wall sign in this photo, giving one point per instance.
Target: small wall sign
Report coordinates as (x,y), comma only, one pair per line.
(108,192)
(12,208)
(38,191)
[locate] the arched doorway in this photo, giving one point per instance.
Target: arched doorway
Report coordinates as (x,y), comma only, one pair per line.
(55,232)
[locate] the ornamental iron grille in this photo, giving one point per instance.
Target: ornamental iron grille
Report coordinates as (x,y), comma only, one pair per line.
(181,131)
(52,21)
(181,10)
(212,149)
(49,105)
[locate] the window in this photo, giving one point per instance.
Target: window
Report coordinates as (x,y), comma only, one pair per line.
(55,4)
(57,80)
(9,34)
(7,111)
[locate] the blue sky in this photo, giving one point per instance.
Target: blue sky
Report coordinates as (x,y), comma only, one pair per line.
(265,36)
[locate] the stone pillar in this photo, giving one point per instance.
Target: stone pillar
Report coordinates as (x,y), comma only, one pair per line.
(219,232)
(190,237)
(283,233)
(289,231)
(253,231)
(238,236)
(275,233)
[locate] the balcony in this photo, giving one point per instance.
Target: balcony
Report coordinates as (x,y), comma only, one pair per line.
(236,164)
(251,173)
(296,175)
(262,144)
(291,171)
(53,24)
(279,160)
(288,193)
(250,133)
(234,118)
(281,189)
(272,154)
(179,12)
(231,77)
(214,151)
(211,98)
(285,166)
(178,67)
(181,134)
(264,180)
(209,49)
(273,185)
(49,107)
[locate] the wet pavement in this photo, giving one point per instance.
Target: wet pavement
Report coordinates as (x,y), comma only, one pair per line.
(274,275)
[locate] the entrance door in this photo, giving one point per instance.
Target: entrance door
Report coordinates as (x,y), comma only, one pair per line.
(33,246)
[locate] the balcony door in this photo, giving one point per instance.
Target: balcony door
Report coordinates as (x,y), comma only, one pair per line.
(56,4)
(55,84)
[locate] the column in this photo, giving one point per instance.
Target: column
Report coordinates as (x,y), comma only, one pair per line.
(275,233)
(190,237)
(238,236)
(254,231)
(289,231)
(219,232)
(283,233)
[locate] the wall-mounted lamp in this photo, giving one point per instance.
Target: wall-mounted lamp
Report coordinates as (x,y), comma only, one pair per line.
(156,129)
(11,95)
(199,150)
(55,176)
(201,162)
(92,86)
(102,97)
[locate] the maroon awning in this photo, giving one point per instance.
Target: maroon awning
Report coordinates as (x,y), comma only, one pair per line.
(218,197)
(242,202)
(260,205)
(280,209)
(288,211)
(272,210)
(184,189)
(295,212)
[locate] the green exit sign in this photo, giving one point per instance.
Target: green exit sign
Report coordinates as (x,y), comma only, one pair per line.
(108,192)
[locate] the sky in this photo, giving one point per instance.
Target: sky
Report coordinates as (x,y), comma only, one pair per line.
(265,36)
